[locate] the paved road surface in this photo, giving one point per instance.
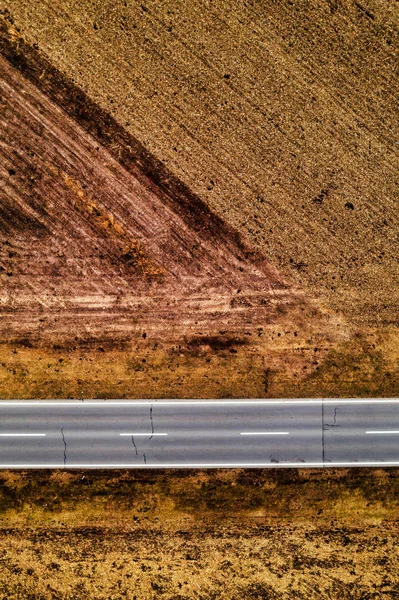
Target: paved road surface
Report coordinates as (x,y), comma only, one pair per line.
(239,433)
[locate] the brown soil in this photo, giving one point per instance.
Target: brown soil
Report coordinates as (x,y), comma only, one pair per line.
(315,193)
(100,255)
(82,237)
(283,118)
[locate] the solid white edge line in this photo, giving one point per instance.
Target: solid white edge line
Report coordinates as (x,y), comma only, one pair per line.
(265,433)
(378,432)
(23,434)
(201,465)
(133,402)
(143,434)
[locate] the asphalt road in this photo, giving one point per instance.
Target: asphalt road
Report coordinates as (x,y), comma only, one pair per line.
(198,434)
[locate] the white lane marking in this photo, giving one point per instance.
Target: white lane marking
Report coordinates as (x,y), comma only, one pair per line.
(133,402)
(200,465)
(265,433)
(143,434)
(383,432)
(23,434)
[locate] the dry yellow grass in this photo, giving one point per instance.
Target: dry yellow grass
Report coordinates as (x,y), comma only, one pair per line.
(278,563)
(277,364)
(131,251)
(216,534)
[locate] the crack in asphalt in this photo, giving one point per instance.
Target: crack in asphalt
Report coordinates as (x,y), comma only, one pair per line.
(65,445)
(152,423)
(334,424)
(134,444)
(145,459)
(326,427)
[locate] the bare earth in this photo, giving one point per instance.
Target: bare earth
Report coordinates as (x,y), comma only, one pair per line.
(99,256)
(282,117)
(104,249)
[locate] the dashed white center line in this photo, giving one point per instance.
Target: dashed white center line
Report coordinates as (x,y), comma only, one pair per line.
(383,432)
(22,434)
(265,433)
(143,434)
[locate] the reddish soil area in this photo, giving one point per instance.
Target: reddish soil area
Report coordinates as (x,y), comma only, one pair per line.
(90,250)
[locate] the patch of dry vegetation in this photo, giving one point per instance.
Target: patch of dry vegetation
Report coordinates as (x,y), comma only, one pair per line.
(252,534)
(284,365)
(130,250)
(140,373)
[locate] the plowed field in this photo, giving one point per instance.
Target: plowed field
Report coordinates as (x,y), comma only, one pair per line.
(241,205)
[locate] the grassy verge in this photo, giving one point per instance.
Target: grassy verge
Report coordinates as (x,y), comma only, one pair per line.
(366,365)
(82,498)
